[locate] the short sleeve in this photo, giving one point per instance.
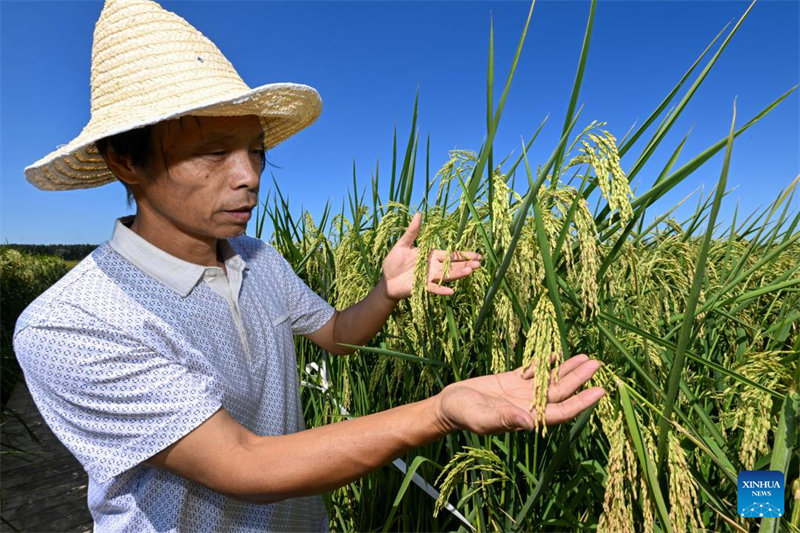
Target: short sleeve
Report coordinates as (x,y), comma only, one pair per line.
(308,312)
(111,400)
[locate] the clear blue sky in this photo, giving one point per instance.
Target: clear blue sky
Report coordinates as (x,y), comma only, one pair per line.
(367,59)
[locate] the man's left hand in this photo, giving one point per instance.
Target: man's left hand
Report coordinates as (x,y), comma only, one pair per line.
(398,267)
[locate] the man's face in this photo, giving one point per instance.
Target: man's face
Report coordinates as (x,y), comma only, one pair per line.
(203,178)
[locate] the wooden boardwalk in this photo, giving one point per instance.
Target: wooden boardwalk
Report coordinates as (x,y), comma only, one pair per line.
(42,486)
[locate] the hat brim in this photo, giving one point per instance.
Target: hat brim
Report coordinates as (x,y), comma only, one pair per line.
(284,109)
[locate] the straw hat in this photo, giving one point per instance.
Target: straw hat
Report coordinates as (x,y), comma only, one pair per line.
(149,65)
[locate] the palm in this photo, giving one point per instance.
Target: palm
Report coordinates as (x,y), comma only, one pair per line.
(500,402)
(398,269)
(398,266)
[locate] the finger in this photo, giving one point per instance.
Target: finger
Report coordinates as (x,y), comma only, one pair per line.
(496,419)
(466,256)
(411,233)
(440,290)
(571,364)
(461,265)
(530,371)
(456,272)
(527,372)
(441,255)
(557,413)
(565,368)
(573,381)
(514,418)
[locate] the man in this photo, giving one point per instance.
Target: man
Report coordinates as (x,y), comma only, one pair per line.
(164,361)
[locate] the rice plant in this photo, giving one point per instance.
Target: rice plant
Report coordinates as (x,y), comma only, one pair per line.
(696,324)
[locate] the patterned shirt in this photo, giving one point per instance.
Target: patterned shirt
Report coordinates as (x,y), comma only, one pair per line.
(135,348)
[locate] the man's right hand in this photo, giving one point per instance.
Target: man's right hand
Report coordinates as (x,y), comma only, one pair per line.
(500,402)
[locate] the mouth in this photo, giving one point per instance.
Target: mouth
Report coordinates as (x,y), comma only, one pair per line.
(242,213)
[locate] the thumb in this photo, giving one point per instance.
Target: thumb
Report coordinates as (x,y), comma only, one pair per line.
(496,419)
(516,418)
(407,239)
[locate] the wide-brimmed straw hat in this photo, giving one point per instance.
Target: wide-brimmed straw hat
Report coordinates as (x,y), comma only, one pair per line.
(150,65)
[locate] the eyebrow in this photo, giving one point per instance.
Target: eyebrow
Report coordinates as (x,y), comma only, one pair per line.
(226,137)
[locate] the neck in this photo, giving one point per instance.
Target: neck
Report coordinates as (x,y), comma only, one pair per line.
(198,249)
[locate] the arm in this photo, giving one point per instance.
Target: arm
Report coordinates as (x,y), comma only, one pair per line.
(226,457)
(359,323)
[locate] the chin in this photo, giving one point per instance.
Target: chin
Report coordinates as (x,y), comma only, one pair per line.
(233,232)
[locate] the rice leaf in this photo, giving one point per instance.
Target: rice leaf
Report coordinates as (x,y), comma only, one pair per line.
(645,463)
(691,305)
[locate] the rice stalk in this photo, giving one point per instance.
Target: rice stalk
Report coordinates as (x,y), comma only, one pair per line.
(698,332)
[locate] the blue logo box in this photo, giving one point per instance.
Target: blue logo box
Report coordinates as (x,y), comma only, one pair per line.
(760,493)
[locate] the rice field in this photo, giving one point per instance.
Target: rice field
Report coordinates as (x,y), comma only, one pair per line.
(695,320)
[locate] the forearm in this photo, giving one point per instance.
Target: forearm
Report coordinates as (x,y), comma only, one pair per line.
(359,323)
(226,457)
(321,459)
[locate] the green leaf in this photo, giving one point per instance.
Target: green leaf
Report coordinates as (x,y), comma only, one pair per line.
(647,466)
(407,479)
(392,353)
(691,304)
(786,443)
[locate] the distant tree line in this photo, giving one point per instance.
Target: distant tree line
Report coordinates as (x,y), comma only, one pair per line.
(68,252)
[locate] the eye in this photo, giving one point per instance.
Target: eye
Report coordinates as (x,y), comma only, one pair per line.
(261,155)
(215,155)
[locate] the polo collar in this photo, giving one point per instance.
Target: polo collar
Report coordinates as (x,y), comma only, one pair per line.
(177,274)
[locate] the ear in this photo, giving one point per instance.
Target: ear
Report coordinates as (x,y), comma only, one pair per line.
(122,166)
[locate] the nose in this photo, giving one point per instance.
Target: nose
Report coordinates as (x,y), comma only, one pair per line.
(245,172)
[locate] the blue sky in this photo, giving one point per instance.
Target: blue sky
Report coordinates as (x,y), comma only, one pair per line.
(368,59)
